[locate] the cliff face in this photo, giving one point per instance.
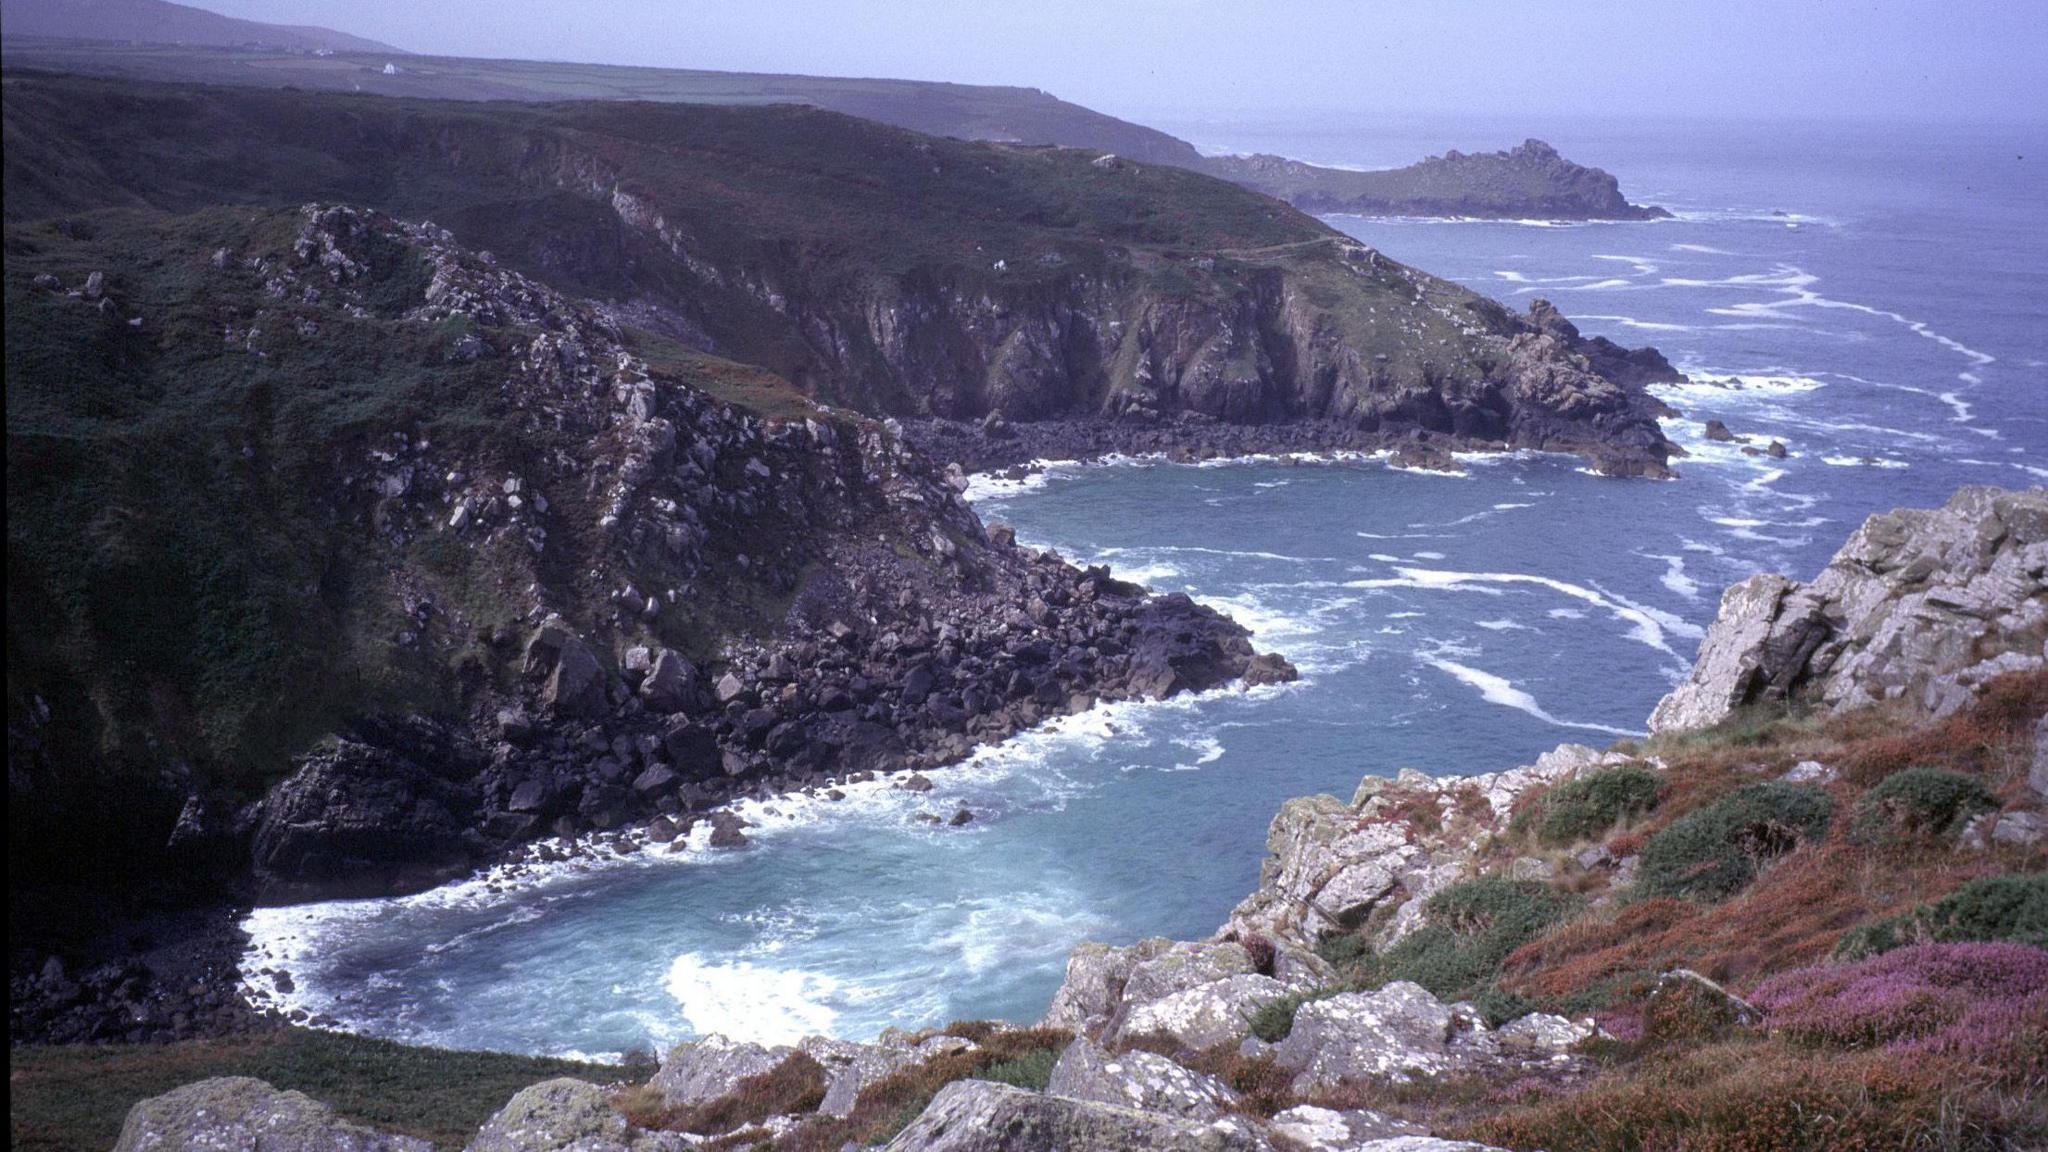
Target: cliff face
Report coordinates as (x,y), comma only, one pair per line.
(1920,606)
(280,474)
(1529,181)
(887,272)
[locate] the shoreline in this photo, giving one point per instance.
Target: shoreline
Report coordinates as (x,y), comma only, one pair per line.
(994,445)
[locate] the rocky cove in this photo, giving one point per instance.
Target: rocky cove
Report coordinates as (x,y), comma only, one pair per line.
(582,536)
(1396,939)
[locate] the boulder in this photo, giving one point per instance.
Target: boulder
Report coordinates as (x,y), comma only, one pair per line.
(574,683)
(1314,1129)
(980,1116)
(1396,1033)
(1269,668)
(567,1115)
(1183,965)
(1542,1034)
(383,811)
(240,1114)
(1218,1012)
(670,684)
(706,1069)
(850,1067)
(1095,982)
(1137,1079)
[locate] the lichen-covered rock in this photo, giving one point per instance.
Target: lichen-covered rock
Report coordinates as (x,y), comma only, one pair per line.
(1095,982)
(979,1116)
(1332,866)
(850,1067)
(240,1114)
(1541,1033)
(1137,1079)
(1218,1012)
(566,1115)
(1316,1129)
(1183,965)
(709,1068)
(1921,606)
(1396,1033)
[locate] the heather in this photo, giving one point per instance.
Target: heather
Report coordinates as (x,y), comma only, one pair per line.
(1979,1000)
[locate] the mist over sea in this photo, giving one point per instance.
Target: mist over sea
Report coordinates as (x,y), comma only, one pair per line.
(1874,297)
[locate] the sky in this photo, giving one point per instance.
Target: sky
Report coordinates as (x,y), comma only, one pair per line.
(1750,59)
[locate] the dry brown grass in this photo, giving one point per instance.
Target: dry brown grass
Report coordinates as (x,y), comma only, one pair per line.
(1796,911)
(1764,1095)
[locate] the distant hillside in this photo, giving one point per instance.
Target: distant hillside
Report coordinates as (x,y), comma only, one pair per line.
(1531,181)
(890,272)
(161,22)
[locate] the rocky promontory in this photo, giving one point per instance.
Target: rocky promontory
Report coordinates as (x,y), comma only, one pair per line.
(1528,182)
(1921,605)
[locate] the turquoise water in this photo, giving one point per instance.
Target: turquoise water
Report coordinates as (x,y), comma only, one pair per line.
(1879,296)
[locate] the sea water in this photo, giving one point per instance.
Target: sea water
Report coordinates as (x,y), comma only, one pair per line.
(1876,300)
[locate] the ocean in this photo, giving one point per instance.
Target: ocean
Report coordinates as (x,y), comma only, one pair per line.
(1874,297)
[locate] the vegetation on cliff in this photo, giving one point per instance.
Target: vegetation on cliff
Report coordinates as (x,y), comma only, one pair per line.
(874,268)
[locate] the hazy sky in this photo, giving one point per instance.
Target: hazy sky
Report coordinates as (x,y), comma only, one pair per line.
(1751,58)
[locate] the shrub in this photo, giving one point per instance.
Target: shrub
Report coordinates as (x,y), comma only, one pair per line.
(1498,1006)
(1713,852)
(1590,805)
(1345,951)
(1031,1071)
(1262,952)
(1968,999)
(1275,1018)
(1470,928)
(1920,803)
(2012,908)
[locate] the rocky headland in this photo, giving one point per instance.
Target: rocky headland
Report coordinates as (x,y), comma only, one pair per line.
(1528,182)
(1685,939)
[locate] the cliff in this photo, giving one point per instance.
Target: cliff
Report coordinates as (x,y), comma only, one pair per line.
(1529,181)
(1920,606)
(340,549)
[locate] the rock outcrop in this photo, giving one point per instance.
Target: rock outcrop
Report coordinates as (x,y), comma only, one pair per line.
(1333,865)
(567,1115)
(979,1116)
(1921,606)
(240,1114)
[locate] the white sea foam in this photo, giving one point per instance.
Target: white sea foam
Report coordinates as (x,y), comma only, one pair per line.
(1497,690)
(1864,462)
(1674,576)
(1646,626)
(1502,626)
(754,1002)
(1639,325)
